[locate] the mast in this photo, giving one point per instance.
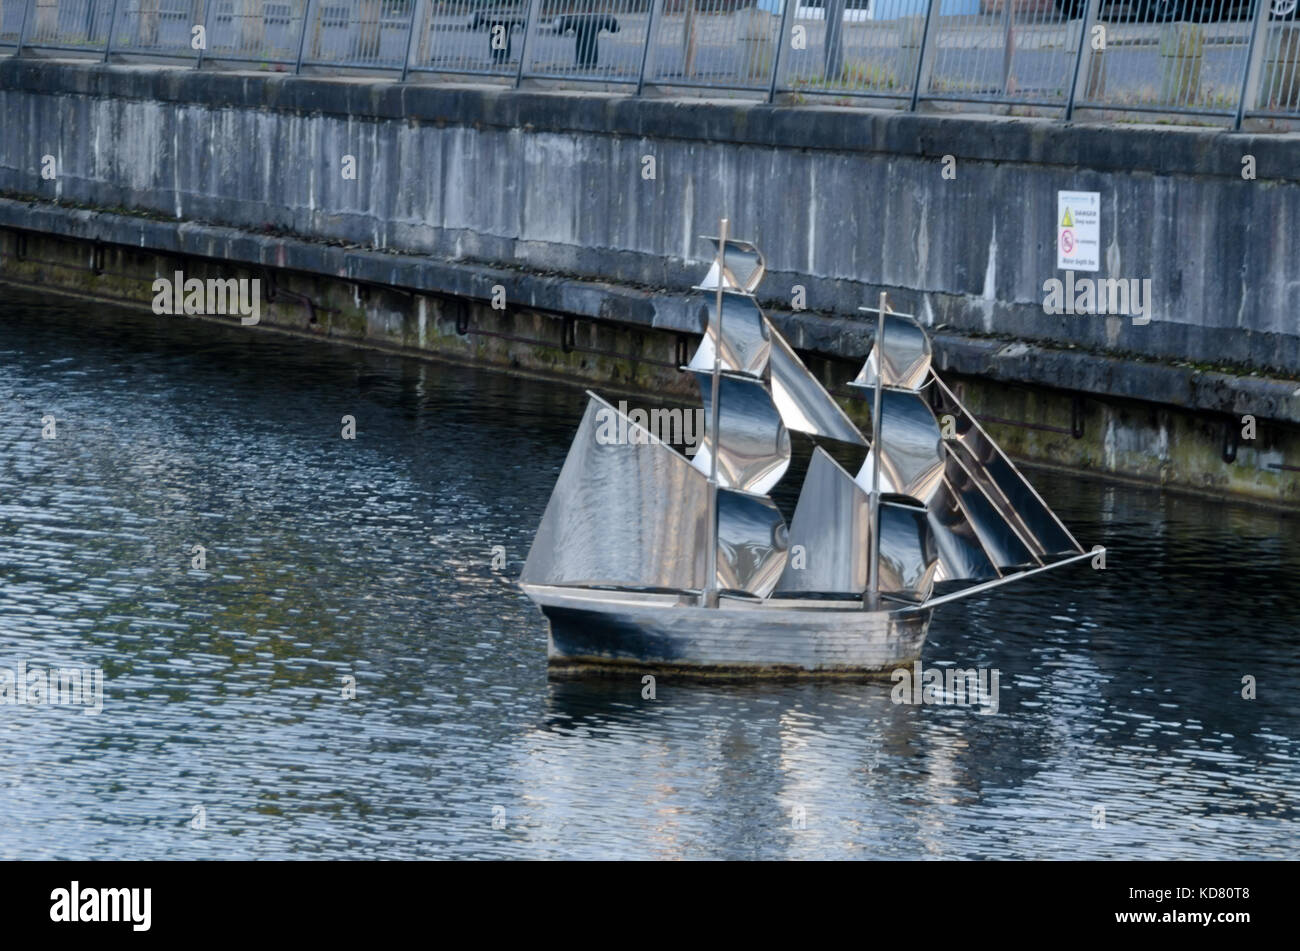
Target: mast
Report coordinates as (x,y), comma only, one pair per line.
(873,578)
(710,594)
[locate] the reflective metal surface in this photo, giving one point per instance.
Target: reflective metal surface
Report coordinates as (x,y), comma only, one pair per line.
(942,510)
(754,451)
(629,512)
(746,342)
(999,539)
(907,554)
(911,461)
(906,355)
(1007,488)
(829,535)
(961,553)
(744,267)
(740,637)
(803,402)
(751,543)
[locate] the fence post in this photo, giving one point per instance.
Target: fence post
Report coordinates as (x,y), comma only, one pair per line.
(207,8)
(112,25)
(656,11)
(833,45)
(302,37)
(1254,58)
(924,61)
(22,29)
(530,21)
(1082,56)
(410,35)
(1008,44)
(782,39)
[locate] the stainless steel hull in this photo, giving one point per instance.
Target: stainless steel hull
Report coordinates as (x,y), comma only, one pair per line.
(591,630)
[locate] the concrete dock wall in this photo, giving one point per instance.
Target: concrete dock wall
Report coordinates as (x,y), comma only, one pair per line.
(589,206)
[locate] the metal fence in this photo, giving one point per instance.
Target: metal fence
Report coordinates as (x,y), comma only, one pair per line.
(1202,61)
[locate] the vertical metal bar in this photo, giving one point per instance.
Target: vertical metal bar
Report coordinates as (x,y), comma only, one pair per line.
(781,40)
(711,586)
(410,34)
(1254,55)
(688,40)
(656,7)
(302,37)
(833,44)
(1081,61)
(112,25)
(207,8)
(925,54)
(22,29)
(877,444)
(1008,43)
(530,20)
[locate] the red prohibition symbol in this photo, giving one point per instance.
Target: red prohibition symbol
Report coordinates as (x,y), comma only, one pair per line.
(1067,241)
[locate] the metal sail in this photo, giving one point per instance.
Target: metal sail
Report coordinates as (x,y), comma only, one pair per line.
(630,511)
(906,355)
(803,402)
(983,516)
(627,510)
(752,346)
(908,557)
(1013,495)
(751,543)
(762,390)
(962,555)
(740,269)
(832,527)
(829,535)
(754,450)
(911,445)
(746,342)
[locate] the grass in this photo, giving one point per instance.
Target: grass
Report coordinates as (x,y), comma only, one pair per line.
(855,75)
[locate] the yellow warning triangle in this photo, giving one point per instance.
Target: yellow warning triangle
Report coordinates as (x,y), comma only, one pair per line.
(1067,221)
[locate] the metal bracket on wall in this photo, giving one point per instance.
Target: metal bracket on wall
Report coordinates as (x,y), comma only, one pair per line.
(1229,441)
(568,335)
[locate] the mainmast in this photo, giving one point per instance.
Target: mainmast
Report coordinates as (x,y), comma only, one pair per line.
(710,596)
(872,598)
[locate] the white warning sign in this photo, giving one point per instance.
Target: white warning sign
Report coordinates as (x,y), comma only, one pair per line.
(1078,231)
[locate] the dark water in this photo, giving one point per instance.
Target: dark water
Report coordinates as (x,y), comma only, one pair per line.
(372,558)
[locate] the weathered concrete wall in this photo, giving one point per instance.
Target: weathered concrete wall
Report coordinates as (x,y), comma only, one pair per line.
(1100,433)
(840,201)
(459,190)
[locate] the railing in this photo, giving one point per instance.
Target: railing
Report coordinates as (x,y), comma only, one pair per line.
(1195,61)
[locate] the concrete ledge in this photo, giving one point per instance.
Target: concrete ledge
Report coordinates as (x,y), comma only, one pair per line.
(1133,148)
(1013,362)
(844,203)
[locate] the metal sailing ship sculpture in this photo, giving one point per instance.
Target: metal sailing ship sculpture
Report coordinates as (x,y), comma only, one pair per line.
(647,558)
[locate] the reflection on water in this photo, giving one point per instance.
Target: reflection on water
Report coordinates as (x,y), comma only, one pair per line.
(371,559)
